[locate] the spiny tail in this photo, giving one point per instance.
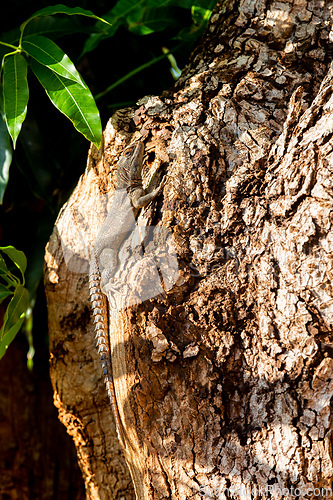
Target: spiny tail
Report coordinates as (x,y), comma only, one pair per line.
(99,307)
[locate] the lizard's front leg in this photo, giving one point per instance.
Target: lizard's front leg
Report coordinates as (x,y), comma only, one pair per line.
(139,199)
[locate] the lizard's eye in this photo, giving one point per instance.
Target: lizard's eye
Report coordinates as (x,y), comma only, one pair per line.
(128,152)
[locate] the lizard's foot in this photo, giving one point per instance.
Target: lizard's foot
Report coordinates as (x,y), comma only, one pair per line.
(108,259)
(106,276)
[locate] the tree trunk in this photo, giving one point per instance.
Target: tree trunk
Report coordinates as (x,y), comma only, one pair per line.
(223,374)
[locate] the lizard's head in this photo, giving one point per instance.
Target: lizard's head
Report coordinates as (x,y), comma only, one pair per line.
(130,165)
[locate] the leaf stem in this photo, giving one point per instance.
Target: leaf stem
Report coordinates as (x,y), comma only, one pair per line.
(135,71)
(9,45)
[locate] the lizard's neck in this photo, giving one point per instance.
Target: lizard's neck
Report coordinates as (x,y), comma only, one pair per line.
(126,181)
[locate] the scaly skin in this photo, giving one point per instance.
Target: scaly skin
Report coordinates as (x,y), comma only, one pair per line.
(99,307)
(129,198)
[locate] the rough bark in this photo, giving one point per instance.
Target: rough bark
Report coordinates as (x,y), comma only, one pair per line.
(225,380)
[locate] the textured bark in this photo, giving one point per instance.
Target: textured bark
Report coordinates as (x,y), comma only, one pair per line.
(225,380)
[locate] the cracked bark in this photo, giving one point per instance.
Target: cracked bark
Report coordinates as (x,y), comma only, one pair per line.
(226,379)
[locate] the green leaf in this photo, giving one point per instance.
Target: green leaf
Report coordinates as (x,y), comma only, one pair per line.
(3,266)
(11,280)
(15,93)
(61,9)
(14,316)
(9,336)
(73,100)
(146,16)
(5,154)
(116,16)
(151,19)
(51,26)
(123,8)
(96,38)
(4,292)
(201,15)
(17,257)
(16,307)
(201,10)
(49,54)
(54,26)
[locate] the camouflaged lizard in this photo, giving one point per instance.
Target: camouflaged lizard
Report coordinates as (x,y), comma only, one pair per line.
(129,198)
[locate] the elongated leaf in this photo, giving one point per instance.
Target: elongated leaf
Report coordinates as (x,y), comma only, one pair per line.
(96,38)
(11,280)
(61,9)
(151,19)
(55,26)
(17,306)
(14,316)
(15,93)
(201,15)
(9,336)
(201,11)
(123,8)
(73,100)
(4,292)
(3,266)
(143,17)
(49,54)
(17,257)
(5,154)
(116,16)
(51,26)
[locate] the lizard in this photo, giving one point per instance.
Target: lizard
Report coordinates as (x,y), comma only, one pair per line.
(129,198)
